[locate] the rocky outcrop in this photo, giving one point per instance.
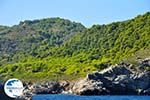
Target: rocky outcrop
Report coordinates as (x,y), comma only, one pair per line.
(42,88)
(89,87)
(47,88)
(115,80)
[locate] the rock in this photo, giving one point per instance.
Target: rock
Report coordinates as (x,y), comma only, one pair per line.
(116,80)
(89,87)
(111,73)
(42,88)
(23,98)
(65,85)
(115,70)
(146,92)
(145,63)
(142,80)
(125,81)
(47,88)
(94,76)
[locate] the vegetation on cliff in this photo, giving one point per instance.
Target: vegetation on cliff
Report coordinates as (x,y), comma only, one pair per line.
(56,48)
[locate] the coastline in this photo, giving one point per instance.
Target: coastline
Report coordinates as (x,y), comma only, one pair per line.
(120,79)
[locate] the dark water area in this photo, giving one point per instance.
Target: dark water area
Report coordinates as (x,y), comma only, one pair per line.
(73,97)
(3,96)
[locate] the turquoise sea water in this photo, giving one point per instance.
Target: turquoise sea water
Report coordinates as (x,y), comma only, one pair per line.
(73,97)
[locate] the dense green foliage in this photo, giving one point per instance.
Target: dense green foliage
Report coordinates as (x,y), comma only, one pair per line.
(111,42)
(59,49)
(34,37)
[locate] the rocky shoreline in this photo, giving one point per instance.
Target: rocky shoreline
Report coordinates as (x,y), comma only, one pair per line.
(116,80)
(119,79)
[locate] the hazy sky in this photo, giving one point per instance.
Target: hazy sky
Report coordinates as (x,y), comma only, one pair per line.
(88,12)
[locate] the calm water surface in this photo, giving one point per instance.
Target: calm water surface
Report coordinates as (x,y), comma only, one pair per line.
(73,97)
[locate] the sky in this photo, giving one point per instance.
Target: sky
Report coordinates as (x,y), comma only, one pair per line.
(87,12)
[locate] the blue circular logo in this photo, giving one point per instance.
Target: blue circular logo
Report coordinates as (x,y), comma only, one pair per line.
(13,88)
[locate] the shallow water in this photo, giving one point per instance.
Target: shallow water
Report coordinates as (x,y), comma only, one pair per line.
(73,97)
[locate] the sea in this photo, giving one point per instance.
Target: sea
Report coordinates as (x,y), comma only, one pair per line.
(74,97)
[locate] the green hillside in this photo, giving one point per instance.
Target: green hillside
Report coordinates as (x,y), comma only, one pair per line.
(112,42)
(57,49)
(34,37)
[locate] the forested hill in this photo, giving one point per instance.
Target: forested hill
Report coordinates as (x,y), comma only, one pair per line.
(55,48)
(111,42)
(33,37)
